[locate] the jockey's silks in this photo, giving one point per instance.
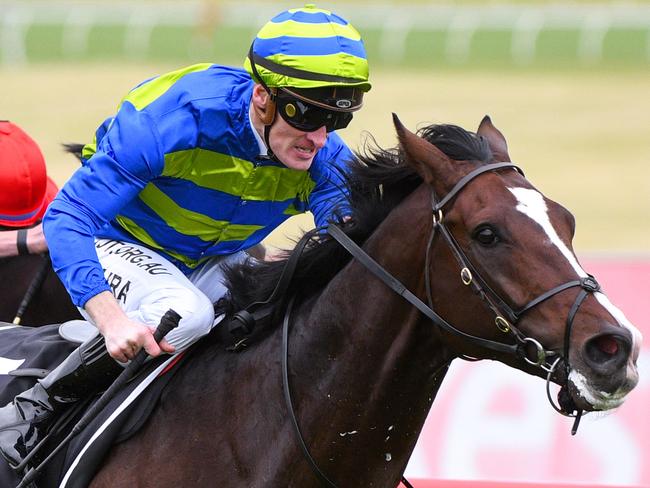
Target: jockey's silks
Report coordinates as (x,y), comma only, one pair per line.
(179,170)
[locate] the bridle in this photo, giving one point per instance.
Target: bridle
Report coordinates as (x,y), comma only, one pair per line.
(506,317)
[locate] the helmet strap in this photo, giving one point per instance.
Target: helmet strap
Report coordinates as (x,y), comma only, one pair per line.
(267,140)
(267,116)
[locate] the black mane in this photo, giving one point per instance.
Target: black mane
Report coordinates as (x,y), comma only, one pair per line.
(378,181)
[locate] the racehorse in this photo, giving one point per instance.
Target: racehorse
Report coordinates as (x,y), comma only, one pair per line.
(364,365)
(467,259)
(32,276)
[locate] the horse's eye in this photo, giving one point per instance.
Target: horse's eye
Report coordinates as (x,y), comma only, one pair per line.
(486,235)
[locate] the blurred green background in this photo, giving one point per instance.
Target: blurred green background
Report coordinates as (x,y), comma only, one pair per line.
(568,83)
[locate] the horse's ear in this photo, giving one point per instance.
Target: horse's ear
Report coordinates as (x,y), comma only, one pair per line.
(426,158)
(495,139)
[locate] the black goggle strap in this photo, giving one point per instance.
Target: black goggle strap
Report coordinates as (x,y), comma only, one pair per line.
(296,73)
(256,74)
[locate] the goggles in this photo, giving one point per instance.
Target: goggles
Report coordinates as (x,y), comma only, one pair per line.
(309,117)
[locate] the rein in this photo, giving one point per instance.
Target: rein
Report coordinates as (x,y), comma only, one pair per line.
(325,481)
(243,323)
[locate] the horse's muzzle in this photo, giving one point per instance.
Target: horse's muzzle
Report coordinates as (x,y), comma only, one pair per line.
(605,373)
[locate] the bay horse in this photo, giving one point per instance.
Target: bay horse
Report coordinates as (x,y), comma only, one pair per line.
(32,275)
(363,364)
(468,260)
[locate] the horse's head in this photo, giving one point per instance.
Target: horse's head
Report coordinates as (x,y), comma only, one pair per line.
(511,247)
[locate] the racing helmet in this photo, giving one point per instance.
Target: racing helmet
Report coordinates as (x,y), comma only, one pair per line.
(313,64)
(25,188)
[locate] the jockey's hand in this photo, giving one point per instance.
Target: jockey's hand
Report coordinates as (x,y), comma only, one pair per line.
(124,337)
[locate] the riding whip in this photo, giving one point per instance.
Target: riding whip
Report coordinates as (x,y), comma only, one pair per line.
(34,286)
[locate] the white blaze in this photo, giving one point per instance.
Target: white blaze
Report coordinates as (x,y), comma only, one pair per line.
(531,203)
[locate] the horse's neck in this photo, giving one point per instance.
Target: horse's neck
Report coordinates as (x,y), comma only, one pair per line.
(358,307)
(364,369)
(374,361)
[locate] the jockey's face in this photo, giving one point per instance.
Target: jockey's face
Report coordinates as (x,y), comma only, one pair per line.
(293,147)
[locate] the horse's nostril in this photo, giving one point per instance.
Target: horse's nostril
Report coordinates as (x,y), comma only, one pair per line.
(606,349)
(607,344)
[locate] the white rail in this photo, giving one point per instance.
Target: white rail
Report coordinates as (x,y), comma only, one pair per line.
(395,22)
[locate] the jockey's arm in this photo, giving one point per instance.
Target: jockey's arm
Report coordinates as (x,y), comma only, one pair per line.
(127,157)
(328,200)
(35,242)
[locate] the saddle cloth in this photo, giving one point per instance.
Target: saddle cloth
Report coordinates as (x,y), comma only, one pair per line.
(33,350)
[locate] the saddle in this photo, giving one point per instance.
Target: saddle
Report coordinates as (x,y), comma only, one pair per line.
(27,354)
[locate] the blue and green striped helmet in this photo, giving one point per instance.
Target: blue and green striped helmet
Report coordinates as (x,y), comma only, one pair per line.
(307,48)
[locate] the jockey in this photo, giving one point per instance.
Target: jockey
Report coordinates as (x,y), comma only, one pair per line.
(197,166)
(25,192)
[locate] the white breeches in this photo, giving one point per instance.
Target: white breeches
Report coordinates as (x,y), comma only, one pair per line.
(146,285)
